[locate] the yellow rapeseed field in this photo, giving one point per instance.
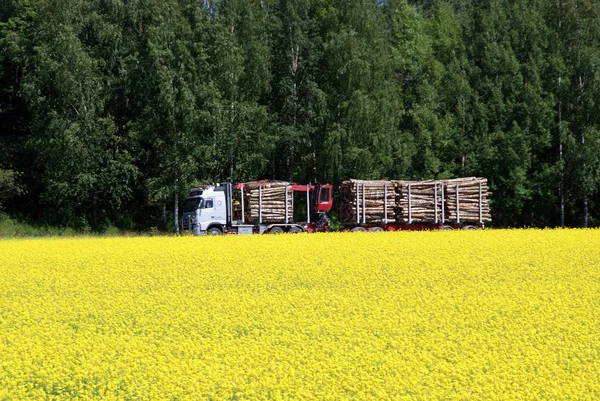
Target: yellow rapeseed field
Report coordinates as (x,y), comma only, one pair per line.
(485,315)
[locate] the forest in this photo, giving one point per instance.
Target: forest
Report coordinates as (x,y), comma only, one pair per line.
(110,110)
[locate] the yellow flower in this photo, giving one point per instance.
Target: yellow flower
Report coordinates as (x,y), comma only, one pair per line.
(494,314)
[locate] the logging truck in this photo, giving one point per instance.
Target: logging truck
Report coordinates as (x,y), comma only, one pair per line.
(269,206)
(256,208)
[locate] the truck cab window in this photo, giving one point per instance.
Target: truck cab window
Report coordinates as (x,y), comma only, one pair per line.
(208,204)
(191,204)
(324,195)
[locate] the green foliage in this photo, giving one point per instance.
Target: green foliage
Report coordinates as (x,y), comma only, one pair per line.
(9,185)
(16,228)
(109,110)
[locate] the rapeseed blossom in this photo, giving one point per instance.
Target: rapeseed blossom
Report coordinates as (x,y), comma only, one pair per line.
(499,315)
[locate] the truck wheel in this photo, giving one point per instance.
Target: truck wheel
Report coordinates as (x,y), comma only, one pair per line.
(276,230)
(446,228)
(358,230)
(295,230)
(469,228)
(214,231)
(376,229)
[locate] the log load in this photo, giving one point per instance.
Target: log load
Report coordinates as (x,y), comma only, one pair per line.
(272,196)
(378,196)
(418,201)
(468,209)
(409,202)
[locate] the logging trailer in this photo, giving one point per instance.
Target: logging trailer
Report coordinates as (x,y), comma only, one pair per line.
(220,209)
(414,205)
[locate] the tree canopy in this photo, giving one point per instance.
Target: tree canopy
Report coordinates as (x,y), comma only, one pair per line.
(110,110)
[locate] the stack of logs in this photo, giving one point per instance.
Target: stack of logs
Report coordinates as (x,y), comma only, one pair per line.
(425,201)
(425,198)
(377,196)
(468,200)
(272,197)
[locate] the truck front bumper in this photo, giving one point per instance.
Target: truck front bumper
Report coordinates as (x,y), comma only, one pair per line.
(190,225)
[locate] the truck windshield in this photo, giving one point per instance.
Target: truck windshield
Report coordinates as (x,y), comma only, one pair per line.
(191,204)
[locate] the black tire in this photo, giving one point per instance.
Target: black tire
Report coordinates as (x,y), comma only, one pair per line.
(295,230)
(376,229)
(469,228)
(446,228)
(358,230)
(214,231)
(276,230)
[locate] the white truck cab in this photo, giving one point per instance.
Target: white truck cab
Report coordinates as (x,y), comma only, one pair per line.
(205,211)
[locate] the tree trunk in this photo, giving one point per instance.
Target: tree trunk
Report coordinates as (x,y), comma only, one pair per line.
(585,212)
(176,212)
(585,198)
(560,157)
(95,214)
(231,139)
(560,145)
(585,195)
(562,209)
(164,212)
